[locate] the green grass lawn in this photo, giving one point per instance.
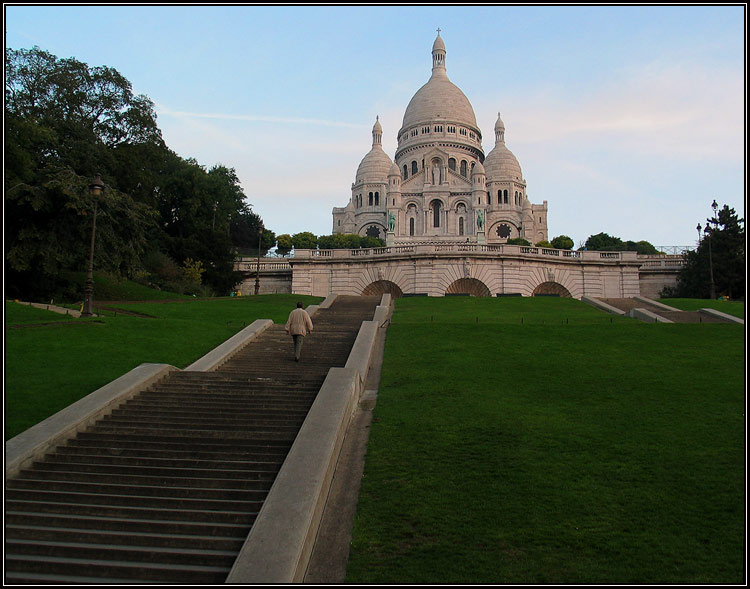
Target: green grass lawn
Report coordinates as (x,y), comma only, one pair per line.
(540,441)
(49,367)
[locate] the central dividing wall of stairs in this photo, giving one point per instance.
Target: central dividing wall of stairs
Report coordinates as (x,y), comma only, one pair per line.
(167,486)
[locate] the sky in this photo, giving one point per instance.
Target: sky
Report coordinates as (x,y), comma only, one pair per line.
(628,120)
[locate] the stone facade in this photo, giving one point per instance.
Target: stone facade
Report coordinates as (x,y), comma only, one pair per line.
(440,269)
(461,268)
(441,186)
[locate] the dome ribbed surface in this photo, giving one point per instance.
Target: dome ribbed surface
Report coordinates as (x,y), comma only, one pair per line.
(375,166)
(439,100)
(501,164)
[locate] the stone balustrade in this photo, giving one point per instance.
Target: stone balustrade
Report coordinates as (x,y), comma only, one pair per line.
(483,250)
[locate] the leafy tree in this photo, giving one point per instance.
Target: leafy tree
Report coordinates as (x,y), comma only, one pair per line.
(518,241)
(67,122)
(348,241)
(723,247)
(543,243)
(562,242)
(603,242)
(284,243)
(304,240)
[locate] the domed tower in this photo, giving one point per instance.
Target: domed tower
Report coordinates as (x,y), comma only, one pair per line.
(506,192)
(369,191)
(439,116)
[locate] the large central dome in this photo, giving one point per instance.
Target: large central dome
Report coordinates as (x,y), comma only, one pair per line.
(439,99)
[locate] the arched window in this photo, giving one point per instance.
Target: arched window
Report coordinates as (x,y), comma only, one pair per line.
(369,199)
(452,164)
(460,225)
(505,197)
(411,227)
(406,172)
(489,198)
(414,168)
(463,168)
(377,198)
(436,209)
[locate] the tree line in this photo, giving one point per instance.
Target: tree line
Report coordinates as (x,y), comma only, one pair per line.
(161,219)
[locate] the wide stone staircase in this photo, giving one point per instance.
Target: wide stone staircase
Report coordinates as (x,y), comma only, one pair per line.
(167,487)
(674,315)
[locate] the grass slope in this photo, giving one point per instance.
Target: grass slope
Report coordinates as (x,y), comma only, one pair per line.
(570,448)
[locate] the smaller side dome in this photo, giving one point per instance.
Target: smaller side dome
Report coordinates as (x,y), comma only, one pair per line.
(376,165)
(500,163)
(394,170)
(478,169)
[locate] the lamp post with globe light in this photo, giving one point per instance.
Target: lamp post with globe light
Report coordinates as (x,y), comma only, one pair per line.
(95,189)
(707,232)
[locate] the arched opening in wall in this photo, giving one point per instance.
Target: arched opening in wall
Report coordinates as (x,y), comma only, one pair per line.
(551,289)
(406,172)
(436,207)
(411,227)
(413,168)
(469,286)
(452,164)
(380,287)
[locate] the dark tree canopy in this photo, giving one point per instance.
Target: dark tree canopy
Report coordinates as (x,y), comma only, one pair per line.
(722,249)
(66,123)
(603,242)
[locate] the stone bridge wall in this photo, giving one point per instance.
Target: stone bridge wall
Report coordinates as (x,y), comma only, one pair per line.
(435,269)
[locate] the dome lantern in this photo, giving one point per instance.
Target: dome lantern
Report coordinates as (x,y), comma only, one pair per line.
(438,55)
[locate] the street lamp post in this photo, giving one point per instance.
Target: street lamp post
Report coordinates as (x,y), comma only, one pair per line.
(257,270)
(707,233)
(95,189)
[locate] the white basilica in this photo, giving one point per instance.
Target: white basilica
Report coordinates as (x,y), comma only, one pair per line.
(441,186)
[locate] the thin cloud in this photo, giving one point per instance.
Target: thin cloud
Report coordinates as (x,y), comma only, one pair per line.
(163,111)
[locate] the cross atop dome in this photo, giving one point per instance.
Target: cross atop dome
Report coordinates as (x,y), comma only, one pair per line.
(438,53)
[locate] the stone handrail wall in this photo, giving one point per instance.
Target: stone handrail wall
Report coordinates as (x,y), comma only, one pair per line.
(250,265)
(460,247)
(657,262)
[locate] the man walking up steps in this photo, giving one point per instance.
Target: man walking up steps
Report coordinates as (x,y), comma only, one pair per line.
(298,325)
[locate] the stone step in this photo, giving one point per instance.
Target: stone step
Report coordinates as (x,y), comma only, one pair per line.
(193,435)
(166,471)
(114,537)
(141,490)
(51,520)
(135,501)
(174,451)
(137,571)
(225,447)
(143,409)
(141,461)
(202,557)
(225,517)
(172,422)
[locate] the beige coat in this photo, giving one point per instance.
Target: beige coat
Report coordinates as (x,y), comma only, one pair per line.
(299,322)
